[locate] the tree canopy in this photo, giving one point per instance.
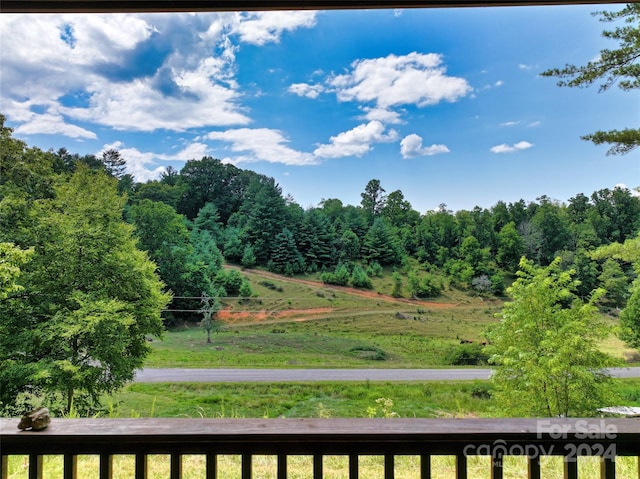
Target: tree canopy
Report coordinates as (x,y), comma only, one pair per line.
(546,346)
(619,66)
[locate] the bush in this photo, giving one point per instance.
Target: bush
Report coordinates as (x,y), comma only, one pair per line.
(374,269)
(339,277)
(271,286)
(467,355)
(371,353)
(359,278)
(425,287)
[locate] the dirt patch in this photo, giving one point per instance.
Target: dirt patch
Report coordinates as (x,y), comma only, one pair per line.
(231,317)
(353,291)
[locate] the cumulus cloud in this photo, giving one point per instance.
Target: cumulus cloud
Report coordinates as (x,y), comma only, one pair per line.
(306,90)
(259,28)
(138,105)
(357,141)
(411,147)
(135,71)
(504,148)
(261,144)
(413,79)
(143,166)
(52,124)
(381,114)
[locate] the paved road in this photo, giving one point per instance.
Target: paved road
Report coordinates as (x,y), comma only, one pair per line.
(284,375)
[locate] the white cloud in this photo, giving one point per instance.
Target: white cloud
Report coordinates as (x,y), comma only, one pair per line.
(499,83)
(504,148)
(523,66)
(623,186)
(137,105)
(259,28)
(138,162)
(52,124)
(261,144)
(88,68)
(382,115)
(357,141)
(411,147)
(415,78)
(534,124)
(397,12)
(305,89)
(510,123)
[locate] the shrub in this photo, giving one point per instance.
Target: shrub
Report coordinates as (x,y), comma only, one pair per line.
(372,353)
(359,278)
(467,355)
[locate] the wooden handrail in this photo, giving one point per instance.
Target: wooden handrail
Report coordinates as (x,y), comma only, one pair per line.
(103,6)
(608,438)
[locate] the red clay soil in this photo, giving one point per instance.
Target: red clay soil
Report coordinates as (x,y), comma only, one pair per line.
(354,291)
(230,316)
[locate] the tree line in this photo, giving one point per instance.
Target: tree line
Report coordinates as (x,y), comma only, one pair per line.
(81,239)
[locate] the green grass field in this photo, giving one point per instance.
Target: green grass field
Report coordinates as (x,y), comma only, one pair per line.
(296,323)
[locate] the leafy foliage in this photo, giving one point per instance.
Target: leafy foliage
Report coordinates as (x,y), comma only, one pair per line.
(90,297)
(545,347)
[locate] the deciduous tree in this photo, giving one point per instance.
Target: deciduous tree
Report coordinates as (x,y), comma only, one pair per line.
(546,347)
(78,330)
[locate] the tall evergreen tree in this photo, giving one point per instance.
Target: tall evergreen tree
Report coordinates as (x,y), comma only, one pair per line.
(613,66)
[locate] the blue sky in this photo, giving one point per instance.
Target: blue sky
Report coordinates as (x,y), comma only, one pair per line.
(446,105)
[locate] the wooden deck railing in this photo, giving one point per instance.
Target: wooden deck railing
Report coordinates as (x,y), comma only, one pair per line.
(462,438)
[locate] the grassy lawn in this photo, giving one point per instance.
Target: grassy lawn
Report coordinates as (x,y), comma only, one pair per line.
(324,399)
(296,324)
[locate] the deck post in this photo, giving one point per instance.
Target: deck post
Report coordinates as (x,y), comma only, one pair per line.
(106,466)
(141,466)
(282,466)
(389,466)
(70,466)
(461,466)
(607,468)
(425,466)
(211,466)
(571,467)
(534,467)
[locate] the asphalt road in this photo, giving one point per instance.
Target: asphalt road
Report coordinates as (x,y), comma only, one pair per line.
(287,375)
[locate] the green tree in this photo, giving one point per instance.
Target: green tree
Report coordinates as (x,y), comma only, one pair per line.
(11,259)
(248,257)
(620,65)
(114,163)
(78,329)
(396,292)
(546,347)
(373,199)
(164,235)
(628,251)
(615,282)
(349,246)
(510,247)
(381,244)
(285,257)
(360,279)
